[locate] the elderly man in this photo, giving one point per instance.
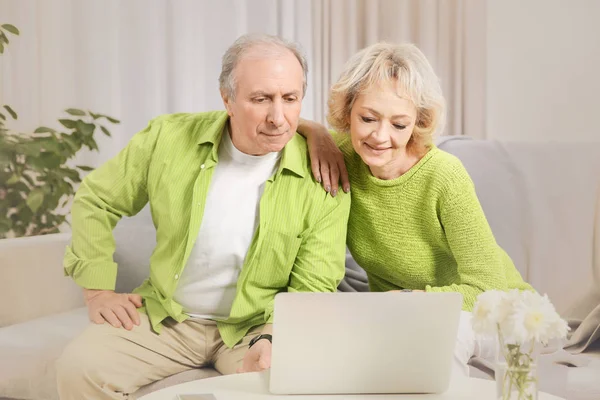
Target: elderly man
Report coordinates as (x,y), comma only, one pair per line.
(238,219)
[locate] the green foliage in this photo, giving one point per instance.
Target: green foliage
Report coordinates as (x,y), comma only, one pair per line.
(35,178)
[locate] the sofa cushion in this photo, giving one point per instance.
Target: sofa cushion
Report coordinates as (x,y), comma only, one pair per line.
(32,281)
(28,351)
(542,201)
(182,377)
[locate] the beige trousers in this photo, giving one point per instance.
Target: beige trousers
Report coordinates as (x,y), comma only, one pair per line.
(111,363)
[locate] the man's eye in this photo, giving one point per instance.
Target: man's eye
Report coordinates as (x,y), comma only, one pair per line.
(367,119)
(260,100)
(290,99)
(399,127)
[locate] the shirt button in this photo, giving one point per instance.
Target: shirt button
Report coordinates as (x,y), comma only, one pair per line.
(176,276)
(202,166)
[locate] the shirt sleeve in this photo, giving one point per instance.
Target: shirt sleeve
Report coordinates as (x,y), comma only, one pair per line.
(116,189)
(479,259)
(320,263)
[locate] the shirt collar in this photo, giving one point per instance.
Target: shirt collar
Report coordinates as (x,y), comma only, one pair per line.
(293,156)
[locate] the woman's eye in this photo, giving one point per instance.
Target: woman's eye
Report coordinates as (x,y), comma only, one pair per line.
(399,127)
(367,119)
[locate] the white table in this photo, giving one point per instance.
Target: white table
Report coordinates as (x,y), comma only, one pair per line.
(255,386)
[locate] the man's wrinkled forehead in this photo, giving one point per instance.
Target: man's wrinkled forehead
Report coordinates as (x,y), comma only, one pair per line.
(248,68)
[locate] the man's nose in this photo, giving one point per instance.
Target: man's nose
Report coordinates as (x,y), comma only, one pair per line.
(276,116)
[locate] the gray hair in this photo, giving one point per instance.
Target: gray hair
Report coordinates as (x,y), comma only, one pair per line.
(241,46)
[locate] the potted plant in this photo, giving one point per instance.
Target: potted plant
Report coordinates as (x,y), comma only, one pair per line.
(37,179)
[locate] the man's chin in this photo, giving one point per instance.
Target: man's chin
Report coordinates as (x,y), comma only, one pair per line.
(275,148)
(276,144)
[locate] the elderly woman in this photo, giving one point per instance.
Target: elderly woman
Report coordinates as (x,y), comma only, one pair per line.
(415,220)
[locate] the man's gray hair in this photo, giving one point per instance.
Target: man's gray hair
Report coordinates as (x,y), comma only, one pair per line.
(244,43)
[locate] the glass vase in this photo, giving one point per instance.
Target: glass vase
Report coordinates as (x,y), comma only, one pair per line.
(516,371)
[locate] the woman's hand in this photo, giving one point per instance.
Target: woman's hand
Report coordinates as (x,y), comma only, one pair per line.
(327,161)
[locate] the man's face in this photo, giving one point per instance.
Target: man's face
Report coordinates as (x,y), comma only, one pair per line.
(268,99)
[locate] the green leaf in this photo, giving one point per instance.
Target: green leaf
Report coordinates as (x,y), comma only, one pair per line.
(35,199)
(72,142)
(44,161)
(113,120)
(68,123)
(5,225)
(13,179)
(14,199)
(74,111)
(72,174)
(30,148)
(106,132)
(5,159)
(43,129)
(23,216)
(95,116)
(85,128)
(51,202)
(91,143)
(49,144)
(2,116)
(11,28)
(11,111)
(1,48)
(21,187)
(84,168)
(20,230)
(3,38)
(50,160)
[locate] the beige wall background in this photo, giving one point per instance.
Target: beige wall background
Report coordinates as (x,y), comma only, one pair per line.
(543,70)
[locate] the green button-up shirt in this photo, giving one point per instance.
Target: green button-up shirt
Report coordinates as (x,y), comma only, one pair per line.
(299,244)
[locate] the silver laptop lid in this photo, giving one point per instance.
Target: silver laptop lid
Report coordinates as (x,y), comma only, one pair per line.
(336,343)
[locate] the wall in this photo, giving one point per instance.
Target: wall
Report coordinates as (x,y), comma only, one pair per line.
(543,70)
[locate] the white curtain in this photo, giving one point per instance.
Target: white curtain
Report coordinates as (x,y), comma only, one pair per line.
(137,59)
(451,33)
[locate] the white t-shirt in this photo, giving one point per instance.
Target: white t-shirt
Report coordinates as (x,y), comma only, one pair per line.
(208,282)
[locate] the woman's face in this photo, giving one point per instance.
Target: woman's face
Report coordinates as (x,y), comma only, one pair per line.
(382,120)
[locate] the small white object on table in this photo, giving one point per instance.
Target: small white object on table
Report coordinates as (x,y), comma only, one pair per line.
(255,386)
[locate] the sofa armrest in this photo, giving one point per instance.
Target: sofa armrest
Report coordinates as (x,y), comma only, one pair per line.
(32,283)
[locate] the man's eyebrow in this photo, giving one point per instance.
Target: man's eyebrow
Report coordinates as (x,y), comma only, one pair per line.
(292,93)
(262,93)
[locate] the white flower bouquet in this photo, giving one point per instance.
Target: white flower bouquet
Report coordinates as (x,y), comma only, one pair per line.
(520,320)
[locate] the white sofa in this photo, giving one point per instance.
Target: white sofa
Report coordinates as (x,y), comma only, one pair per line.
(542,202)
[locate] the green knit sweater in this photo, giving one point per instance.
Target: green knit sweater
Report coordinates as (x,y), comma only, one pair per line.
(424,230)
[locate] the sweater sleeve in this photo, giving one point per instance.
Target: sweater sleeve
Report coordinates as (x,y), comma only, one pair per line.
(480,265)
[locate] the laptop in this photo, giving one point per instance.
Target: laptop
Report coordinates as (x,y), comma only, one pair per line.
(363,343)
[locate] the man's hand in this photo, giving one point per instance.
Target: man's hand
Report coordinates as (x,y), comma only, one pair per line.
(258,357)
(118,309)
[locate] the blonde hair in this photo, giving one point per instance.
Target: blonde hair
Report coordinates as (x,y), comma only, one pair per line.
(390,63)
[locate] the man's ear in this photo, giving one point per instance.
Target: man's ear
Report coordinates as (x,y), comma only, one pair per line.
(227,103)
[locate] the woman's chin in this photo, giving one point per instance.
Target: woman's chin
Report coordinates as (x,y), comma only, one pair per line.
(373,161)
